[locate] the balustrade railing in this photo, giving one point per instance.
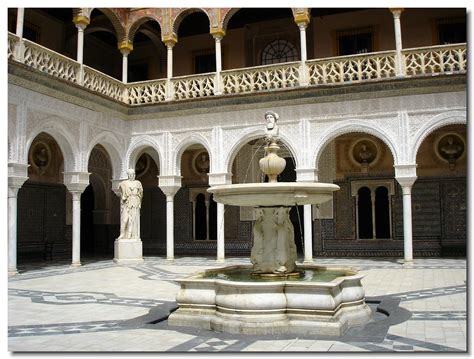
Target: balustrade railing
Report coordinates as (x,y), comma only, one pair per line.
(103,84)
(261,78)
(146,92)
(435,60)
(12,43)
(194,86)
(50,62)
(352,68)
(423,61)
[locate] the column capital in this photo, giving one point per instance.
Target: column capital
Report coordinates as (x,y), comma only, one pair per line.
(216,179)
(76,182)
(405,173)
(125,47)
(217,33)
(81,21)
(169,184)
(302,19)
(17,174)
(396,11)
(169,40)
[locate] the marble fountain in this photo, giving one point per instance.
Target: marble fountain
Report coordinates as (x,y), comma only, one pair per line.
(274,295)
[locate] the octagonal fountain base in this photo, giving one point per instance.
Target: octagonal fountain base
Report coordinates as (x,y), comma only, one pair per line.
(321,301)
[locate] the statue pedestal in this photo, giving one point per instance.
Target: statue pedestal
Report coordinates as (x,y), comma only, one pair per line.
(128,251)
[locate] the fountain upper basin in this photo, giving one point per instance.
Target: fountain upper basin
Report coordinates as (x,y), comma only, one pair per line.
(273,194)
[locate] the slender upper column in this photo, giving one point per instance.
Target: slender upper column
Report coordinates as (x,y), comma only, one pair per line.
(406,176)
(125,48)
(169,41)
(17,175)
(397,12)
(169,185)
(218,34)
(81,23)
(76,183)
(20,16)
(302,20)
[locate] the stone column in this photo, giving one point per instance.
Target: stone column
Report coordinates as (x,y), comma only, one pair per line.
(169,185)
(307,175)
(20,16)
(81,23)
(169,41)
(302,20)
(215,179)
(397,12)
(17,175)
(406,176)
(308,234)
(125,48)
(220,233)
(218,34)
(76,228)
(76,183)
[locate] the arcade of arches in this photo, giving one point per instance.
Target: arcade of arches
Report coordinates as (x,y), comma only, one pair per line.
(396,146)
(363,219)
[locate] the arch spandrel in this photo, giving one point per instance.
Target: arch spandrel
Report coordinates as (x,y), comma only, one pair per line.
(139,145)
(116,17)
(438,121)
(192,139)
(138,20)
(113,147)
(254,133)
(65,140)
(178,15)
(353,126)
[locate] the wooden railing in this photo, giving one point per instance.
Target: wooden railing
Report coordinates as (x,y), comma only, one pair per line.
(423,61)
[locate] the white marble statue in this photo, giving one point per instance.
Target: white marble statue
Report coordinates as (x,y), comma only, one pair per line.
(272,132)
(131,194)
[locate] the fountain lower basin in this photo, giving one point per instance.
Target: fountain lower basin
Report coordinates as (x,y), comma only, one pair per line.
(214,300)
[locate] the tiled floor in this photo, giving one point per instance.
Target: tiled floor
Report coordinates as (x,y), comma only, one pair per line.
(104,307)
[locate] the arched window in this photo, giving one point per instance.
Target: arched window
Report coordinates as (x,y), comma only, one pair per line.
(373,208)
(279,51)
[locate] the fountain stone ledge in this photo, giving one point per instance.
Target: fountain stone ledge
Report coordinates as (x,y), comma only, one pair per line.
(273,306)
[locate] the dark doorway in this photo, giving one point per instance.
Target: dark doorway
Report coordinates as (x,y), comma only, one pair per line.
(364,208)
(382,213)
(200,217)
(87,222)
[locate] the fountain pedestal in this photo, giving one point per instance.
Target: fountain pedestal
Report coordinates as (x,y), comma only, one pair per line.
(265,298)
(274,249)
